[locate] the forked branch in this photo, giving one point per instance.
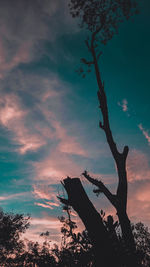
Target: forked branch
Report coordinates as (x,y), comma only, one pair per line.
(101,189)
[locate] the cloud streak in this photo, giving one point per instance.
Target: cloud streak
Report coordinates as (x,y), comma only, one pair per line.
(13,196)
(145,133)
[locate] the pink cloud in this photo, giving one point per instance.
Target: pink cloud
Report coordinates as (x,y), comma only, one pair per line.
(124,105)
(43,205)
(36,23)
(145,133)
(13,116)
(47,195)
(40,225)
(55,166)
(45,192)
(10,110)
(52,204)
(21,56)
(138,166)
(68,144)
(139,201)
(29,131)
(13,196)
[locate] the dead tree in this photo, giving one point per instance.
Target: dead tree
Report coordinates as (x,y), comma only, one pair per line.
(105,255)
(101,18)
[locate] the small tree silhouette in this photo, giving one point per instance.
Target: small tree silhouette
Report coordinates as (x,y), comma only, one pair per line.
(11,227)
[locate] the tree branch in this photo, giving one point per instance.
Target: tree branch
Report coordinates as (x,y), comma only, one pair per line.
(101,188)
(86,62)
(64,201)
(120,158)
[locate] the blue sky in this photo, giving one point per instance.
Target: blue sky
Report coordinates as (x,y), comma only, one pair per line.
(49,115)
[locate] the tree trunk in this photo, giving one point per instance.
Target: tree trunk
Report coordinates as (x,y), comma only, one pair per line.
(78,199)
(129,243)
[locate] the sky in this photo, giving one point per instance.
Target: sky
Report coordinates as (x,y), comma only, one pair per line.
(49,115)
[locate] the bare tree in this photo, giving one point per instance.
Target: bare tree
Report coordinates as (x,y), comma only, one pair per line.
(102,18)
(78,199)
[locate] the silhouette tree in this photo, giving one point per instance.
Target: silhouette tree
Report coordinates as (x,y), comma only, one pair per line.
(142,239)
(38,255)
(78,199)
(11,227)
(76,248)
(102,18)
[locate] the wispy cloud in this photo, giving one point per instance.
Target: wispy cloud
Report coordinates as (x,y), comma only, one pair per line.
(139,201)
(45,192)
(138,166)
(13,117)
(40,225)
(43,205)
(23,33)
(56,166)
(33,126)
(145,133)
(13,196)
(47,195)
(124,105)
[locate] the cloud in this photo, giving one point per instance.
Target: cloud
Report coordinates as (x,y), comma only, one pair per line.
(123,105)
(68,144)
(56,166)
(13,117)
(145,133)
(43,205)
(29,115)
(139,201)
(46,194)
(24,28)
(138,166)
(13,196)
(40,225)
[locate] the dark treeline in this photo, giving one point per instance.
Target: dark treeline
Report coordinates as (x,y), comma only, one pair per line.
(75,249)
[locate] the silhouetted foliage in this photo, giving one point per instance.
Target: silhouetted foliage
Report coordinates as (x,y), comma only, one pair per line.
(11,227)
(76,248)
(102,19)
(38,255)
(142,239)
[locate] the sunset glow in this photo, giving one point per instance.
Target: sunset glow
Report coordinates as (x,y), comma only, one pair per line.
(49,115)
